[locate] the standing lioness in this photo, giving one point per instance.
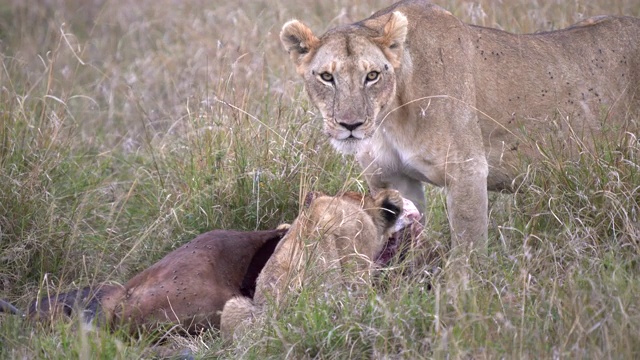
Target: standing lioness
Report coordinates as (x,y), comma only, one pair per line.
(419,96)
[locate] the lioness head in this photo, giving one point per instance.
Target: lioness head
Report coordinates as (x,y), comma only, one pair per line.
(364,223)
(349,73)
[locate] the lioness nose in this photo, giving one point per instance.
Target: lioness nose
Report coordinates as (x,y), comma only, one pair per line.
(351,127)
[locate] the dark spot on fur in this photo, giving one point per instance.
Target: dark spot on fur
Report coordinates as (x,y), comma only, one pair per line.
(308,199)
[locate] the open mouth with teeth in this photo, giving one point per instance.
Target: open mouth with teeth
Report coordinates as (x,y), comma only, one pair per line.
(407,229)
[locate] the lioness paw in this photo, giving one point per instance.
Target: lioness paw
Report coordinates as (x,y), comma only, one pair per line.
(284,226)
(236,315)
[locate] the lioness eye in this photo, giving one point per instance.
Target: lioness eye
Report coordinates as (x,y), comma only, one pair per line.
(372,76)
(326,77)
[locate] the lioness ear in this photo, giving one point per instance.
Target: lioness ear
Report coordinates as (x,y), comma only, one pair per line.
(308,199)
(390,211)
(298,40)
(393,37)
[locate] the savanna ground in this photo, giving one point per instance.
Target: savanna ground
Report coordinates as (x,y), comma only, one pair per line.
(128,127)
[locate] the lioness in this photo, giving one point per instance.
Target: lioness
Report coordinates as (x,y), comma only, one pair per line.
(335,237)
(419,96)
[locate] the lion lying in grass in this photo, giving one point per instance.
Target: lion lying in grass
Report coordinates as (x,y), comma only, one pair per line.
(335,237)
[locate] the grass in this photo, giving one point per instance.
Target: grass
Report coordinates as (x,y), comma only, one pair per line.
(126,128)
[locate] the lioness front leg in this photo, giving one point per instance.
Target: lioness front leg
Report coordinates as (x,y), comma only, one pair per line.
(467,209)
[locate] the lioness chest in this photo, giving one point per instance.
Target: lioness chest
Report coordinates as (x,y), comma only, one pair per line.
(389,149)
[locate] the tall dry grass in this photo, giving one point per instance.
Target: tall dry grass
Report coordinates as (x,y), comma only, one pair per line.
(127,127)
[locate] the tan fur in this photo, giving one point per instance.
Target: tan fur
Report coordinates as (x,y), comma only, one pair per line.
(335,238)
(461,106)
